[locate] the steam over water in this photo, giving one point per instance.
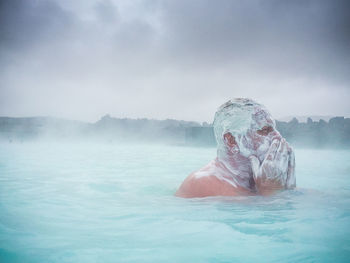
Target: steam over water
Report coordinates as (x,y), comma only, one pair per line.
(115,203)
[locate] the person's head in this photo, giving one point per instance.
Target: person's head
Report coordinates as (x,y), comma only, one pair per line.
(244,127)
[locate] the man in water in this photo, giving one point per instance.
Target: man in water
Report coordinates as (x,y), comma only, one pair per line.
(252,157)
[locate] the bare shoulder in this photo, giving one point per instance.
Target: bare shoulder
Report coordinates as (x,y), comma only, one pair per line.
(205,182)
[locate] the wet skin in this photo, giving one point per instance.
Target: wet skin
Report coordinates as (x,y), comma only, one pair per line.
(262,173)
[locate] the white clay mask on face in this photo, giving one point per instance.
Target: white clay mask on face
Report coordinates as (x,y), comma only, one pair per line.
(242,118)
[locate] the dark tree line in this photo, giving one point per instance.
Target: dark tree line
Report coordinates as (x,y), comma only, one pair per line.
(315,134)
(320,134)
(335,133)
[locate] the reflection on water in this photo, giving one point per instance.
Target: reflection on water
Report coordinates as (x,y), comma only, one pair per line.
(115,203)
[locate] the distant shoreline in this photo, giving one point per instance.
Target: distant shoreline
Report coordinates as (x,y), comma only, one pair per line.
(334,133)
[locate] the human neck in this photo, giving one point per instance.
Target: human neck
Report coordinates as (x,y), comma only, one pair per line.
(238,167)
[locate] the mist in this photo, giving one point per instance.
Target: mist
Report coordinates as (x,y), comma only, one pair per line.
(314,133)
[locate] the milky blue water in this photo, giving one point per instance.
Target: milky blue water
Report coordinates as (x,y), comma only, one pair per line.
(115,203)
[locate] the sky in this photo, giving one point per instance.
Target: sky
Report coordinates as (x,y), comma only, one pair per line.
(178,59)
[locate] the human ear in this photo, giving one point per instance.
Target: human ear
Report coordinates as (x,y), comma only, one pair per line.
(229,139)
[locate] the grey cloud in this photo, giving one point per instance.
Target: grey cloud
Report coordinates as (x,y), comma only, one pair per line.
(107,11)
(295,37)
(176,59)
(25,23)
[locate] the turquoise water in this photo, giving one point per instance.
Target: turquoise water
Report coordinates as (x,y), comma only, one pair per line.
(114,203)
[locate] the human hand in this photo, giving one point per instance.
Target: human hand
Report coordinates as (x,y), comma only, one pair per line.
(276,172)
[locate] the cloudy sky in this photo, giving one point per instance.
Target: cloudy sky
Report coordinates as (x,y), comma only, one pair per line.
(172,59)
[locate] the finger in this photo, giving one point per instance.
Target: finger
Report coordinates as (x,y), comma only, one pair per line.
(291,182)
(255,164)
(282,146)
(290,149)
(272,150)
(282,155)
(285,159)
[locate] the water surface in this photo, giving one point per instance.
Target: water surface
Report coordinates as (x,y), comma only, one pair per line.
(115,203)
